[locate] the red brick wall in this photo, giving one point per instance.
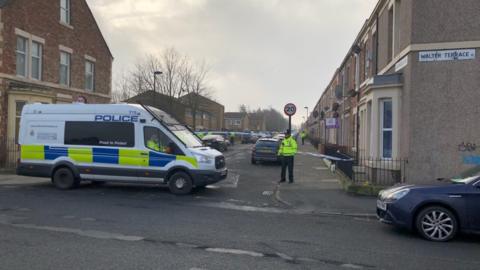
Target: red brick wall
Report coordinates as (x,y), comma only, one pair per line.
(42,19)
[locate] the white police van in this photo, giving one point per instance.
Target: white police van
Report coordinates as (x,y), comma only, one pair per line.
(110,142)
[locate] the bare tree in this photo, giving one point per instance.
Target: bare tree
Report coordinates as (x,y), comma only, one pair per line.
(194,86)
(121,89)
(171,65)
(181,78)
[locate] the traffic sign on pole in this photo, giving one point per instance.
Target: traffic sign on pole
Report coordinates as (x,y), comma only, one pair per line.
(290,109)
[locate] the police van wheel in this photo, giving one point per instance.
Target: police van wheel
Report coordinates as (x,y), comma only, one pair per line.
(180,183)
(63,178)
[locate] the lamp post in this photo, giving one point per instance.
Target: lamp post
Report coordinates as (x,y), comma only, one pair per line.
(307,115)
(155,73)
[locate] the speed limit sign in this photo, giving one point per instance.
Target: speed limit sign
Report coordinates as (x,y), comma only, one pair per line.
(290,109)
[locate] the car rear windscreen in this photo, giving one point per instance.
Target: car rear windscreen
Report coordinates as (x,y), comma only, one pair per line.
(100,133)
(267,144)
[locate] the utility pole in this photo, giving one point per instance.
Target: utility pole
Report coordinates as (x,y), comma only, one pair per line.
(155,73)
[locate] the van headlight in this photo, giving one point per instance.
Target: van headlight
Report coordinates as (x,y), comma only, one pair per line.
(396,195)
(204,159)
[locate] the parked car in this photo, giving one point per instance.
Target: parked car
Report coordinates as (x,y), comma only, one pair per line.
(437,213)
(279,136)
(248,138)
(265,150)
(215,142)
(225,136)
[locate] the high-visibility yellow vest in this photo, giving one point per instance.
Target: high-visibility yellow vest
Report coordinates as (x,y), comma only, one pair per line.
(303,134)
(288,147)
(153,145)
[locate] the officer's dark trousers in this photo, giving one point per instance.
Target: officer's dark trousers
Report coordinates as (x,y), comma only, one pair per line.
(287,162)
(303,141)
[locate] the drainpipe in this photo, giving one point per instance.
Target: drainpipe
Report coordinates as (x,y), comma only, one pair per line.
(357,51)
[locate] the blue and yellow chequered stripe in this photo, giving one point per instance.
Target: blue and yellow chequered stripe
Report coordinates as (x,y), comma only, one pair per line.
(131,157)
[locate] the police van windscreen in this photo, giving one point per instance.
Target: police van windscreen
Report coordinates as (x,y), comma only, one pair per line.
(185,135)
(165,117)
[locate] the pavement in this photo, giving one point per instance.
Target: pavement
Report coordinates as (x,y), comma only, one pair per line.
(317,190)
(239,223)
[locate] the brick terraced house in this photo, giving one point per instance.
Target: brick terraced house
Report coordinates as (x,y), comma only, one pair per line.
(407,91)
(51,51)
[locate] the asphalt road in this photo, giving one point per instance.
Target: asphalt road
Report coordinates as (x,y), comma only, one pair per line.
(237,224)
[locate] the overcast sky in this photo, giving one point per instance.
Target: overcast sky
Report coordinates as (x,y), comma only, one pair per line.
(262,53)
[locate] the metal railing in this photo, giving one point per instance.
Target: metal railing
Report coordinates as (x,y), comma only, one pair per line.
(379,171)
(364,169)
(9,153)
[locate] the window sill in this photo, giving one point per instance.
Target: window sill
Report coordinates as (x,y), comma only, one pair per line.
(66,25)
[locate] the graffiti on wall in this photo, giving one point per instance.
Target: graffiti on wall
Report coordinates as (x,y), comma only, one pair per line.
(467,147)
(473,157)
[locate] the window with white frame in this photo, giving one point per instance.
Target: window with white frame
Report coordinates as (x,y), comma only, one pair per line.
(65,68)
(386,120)
(89,76)
(36,64)
(65,11)
(21,55)
(368,56)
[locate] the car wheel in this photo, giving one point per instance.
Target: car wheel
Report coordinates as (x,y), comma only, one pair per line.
(180,183)
(63,178)
(437,223)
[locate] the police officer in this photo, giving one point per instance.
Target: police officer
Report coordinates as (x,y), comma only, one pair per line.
(303,135)
(288,149)
(232,138)
(153,143)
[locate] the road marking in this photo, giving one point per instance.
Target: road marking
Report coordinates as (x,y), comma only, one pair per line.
(277,196)
(231,206)
(284,256)
(351,266)
(235,251)
(5,220)
(230,182)
(329,180)
(267,193)
(321,168)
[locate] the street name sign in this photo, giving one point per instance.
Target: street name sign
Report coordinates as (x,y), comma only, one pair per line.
(446,55)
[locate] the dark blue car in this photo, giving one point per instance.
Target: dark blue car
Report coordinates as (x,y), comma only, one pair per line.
(265,150)
(437,213)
